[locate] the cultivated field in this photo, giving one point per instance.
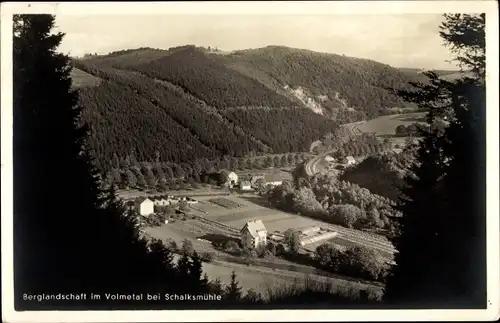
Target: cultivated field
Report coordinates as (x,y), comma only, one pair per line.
(250,210)
(226,203)
(254,208)
(210,221)
(386,125)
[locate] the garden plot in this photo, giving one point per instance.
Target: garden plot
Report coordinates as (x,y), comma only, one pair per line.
(274,220)
(226,203)
(209,209)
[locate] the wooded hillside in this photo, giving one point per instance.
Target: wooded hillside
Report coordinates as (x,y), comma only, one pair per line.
(187,102)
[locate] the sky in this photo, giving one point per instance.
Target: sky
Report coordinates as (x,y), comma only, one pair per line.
(402,40)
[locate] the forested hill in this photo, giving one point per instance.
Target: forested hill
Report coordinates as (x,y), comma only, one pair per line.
(189,102)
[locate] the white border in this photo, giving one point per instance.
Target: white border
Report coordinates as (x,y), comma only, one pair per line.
(260,8)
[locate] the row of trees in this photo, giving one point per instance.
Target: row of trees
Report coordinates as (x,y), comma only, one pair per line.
(128,172)
(357,146)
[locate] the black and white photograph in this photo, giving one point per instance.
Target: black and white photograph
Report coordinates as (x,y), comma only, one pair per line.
(218,161)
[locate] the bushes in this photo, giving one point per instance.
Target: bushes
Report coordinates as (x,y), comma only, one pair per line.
(334,201)
(231,246)
(207,256)
(356,261)
(347,214)
(155,220)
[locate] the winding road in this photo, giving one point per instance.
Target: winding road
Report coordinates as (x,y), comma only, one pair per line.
(311,166)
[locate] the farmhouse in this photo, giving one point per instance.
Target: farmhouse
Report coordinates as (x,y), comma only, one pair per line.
(230,178)
(349,160)
(144,206)
(245,186)
(253,234)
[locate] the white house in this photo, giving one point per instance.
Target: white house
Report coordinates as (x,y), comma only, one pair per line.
(144,206)
(329,159)
(253,234)
(245,186)
(349,160)
(232,178)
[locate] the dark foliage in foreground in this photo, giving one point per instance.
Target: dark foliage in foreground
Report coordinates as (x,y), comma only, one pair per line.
(442,248)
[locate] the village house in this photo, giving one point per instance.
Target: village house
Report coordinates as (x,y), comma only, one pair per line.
(329,159)
(253,234)
(349,160)
(230,177)
(245,185)
(144,206)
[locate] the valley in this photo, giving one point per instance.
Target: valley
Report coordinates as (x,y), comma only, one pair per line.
(168,123)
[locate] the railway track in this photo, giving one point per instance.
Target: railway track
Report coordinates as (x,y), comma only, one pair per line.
(231,230)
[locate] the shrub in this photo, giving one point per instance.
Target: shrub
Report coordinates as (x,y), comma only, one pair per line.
(232,247)
(187,247)
(348,214)
(207,256)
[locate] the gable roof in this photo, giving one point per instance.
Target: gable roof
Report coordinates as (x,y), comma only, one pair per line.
(350,158)
(142,199)
(245,183)
(254,227)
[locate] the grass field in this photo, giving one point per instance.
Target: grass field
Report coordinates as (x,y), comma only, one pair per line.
(81,79)
(386,125)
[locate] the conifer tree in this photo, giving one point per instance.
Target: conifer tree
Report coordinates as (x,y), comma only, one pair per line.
(233,290)
(441,259)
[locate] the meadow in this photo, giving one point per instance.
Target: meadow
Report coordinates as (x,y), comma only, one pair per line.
(386,125)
